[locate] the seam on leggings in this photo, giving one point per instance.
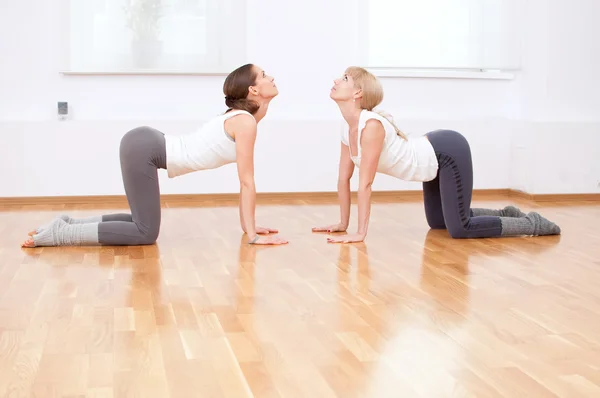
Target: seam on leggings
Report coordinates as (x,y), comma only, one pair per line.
(447,160)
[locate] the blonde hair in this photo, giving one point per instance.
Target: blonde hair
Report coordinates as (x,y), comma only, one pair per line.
(372,93)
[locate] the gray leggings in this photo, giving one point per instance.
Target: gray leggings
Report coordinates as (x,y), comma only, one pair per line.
(142,153)
(448,197)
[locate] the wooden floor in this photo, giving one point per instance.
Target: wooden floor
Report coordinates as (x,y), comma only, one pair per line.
(408,313)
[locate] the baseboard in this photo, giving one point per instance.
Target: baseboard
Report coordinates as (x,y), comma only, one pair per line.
(178,200)
(555,197)
(169,200)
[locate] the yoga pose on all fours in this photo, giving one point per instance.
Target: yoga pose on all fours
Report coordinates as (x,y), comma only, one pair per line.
(440,159)
(228,138)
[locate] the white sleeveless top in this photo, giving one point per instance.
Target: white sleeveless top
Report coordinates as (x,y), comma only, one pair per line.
(207,148)
(412,159)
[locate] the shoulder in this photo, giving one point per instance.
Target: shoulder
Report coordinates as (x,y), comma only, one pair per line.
(371,121)
(239,116)
(374,124)
(243,119)
(237,122)
(371,124)
(366,116)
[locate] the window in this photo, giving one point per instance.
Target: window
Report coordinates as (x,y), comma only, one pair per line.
(440,34)
(140,36)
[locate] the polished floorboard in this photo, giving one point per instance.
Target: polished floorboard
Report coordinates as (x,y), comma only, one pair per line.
(407,313)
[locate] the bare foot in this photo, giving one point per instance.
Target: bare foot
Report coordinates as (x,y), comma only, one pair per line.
(28,243)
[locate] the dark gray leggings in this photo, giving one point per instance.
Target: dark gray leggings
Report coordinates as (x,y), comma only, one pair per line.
(142,153)
(448,197)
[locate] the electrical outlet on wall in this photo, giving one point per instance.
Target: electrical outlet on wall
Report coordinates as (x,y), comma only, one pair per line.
(63,110)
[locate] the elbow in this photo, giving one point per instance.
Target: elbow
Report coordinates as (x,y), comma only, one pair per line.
(365,187)
(248,186)
(247,183)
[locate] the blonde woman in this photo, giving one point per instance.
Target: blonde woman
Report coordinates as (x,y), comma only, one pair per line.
(441,160)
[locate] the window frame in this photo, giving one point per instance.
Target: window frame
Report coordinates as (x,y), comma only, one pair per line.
(225,51)
(362,8)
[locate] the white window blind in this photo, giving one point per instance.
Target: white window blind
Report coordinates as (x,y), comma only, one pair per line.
(136,36)
(440,34)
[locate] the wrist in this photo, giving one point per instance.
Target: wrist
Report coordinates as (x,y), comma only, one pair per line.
(253,239)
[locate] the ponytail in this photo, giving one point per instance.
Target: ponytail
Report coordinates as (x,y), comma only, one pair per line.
(244,104)
(389,118)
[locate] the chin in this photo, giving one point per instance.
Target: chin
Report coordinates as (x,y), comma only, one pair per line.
(270,96)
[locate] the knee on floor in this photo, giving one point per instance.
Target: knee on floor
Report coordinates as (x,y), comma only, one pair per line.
(146,236)
(437,226)
(149,238)
(436,222)
(458,232)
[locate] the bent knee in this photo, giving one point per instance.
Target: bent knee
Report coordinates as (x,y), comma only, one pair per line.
(458,232)
(146,241)
(146,236)
(435,221)
(149,238)
(433,225)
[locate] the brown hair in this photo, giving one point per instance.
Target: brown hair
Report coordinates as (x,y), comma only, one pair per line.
(236,86)
(372,93)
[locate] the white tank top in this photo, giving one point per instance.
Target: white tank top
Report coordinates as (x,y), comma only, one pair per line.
(207,148)
(412,159)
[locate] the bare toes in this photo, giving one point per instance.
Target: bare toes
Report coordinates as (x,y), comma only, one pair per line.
(28,243)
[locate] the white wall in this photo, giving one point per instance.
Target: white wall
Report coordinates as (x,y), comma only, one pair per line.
(556,148)
(301,133)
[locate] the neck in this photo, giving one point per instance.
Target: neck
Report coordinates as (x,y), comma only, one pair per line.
(350,113)
(262,110)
